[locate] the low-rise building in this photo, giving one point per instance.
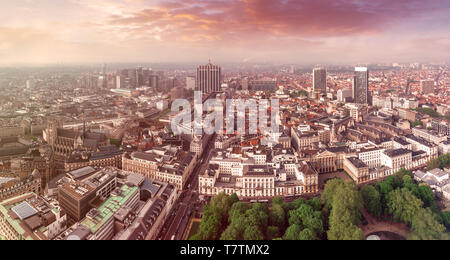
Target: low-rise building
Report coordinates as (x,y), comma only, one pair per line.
(304,140)
(16,184)
(397,159)
(371,156)
(31,217)
(277,174)
(357,169)
(437,179)
(420,144)
(136,210)
(444,147)
(167,164)
(441,126)
(430,136)
(108,156)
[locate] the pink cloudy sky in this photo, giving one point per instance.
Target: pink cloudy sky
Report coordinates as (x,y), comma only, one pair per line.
(291,31)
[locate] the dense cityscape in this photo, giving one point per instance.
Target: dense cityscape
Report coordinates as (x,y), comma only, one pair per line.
(90,153)
(238,120)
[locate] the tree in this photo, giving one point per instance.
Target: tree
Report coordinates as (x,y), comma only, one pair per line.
(210,227)
(315,203)
(238,209)
(446,219)
(330,191)
(234,198)
(386,188)
(400,177)
(257,217)
(307,234)
(349,199)
(273,232)
(372,200)
(433,164)
(221,204)
(231,233)
(441,162)
(278,201)
(345,213)
(428,111)
(403,205)
(292,233)
(425,227)
(277,216)
(297,203)
(426,194)
(314,223)
(253,233)
(297,216)
(343,229)
(416,123)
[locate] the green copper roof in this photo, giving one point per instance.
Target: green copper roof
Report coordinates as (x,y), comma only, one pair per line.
(109,208)
(15,223)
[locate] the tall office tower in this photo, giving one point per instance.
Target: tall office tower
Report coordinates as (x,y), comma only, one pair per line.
(320,80)
(91,81)
(245,84)
(139,77)
(208,78)
(361,85)
(30,84)
(146,76)
(427,86)
(292,70)
(132,78)
(154,82)
(104,77)
(120,82)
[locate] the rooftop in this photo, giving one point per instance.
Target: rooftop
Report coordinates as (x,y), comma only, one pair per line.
(397,152)
(97,218)
(81,173)
(357,162)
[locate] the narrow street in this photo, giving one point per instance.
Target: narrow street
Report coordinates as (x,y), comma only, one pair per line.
(178,220)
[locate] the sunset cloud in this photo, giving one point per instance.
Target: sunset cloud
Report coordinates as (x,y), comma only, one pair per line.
(229,30)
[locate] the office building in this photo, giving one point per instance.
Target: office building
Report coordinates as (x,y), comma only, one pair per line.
(209,78)
(31,217)
(81,187)
(136,210)
(320,81)
(361,86)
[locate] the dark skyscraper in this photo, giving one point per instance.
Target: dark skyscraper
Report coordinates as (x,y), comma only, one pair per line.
(320,80)
(209,78)
(104,77)
(361,86)
(139,77)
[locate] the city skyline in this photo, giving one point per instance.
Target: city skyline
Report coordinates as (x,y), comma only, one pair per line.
(344,31)
(224,120)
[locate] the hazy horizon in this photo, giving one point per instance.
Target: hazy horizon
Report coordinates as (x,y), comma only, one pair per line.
(225,31)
